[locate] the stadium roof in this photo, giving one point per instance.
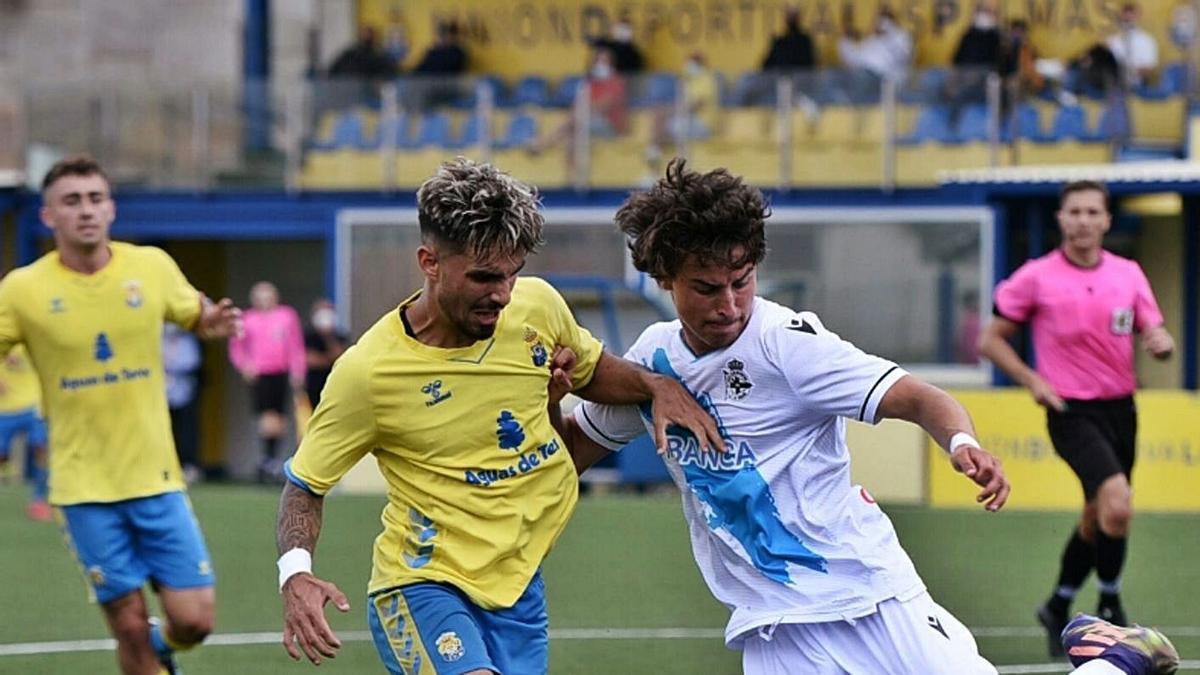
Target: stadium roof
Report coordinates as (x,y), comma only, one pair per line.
(1162,175)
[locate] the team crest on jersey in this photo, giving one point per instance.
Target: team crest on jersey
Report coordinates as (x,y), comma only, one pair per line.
(434,391)
(537,350)
(95,575)
(57,306)
(133,294)
(737,382)
(450,646)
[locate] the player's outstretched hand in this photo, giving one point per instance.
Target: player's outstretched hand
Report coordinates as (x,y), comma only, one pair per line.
(218,320)
(1045,395)
(562,366)
(982,467)
(304,626)
(1158,342)
(673,404)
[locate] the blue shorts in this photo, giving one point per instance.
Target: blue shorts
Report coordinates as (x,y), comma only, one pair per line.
(27,423)
(121,545)
(434,629)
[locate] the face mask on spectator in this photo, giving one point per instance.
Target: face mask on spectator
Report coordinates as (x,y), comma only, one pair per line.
(693,68)
(324,319)
(602,71)
(985,21)
(623,32)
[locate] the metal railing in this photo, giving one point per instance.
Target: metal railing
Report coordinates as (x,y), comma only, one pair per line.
(826,127)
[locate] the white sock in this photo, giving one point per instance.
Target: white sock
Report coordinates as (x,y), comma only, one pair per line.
(1098,667)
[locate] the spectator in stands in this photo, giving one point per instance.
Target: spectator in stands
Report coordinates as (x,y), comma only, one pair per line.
(270,356)
(790,51)
(885,53)
(609,116)
(978,55)
(627,58)
(1134,48)
(793,50)
(441,64)
(1018,67)
(364,59)
(696,118)
(357,72)
(181,366)
(322,346)
(1097,70)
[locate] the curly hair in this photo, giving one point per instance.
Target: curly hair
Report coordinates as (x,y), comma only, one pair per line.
(76,165)
(478,209)
(713,216)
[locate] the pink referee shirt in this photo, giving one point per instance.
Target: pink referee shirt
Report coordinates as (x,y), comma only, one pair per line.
(1083,320)
(271,343)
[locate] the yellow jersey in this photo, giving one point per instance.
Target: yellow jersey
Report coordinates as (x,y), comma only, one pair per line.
(19,388)
(479,483)
(96,343)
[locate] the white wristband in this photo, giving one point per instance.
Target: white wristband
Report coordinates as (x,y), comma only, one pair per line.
(962,438)
(292,563)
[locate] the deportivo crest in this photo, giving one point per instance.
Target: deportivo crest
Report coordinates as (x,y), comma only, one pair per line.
(133,293)
(449,646)
(737,382)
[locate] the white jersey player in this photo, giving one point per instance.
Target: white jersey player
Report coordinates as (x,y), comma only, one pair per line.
(809,566)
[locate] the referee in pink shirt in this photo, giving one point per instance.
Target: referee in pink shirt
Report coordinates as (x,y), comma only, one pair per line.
(270,356)
(1084,305)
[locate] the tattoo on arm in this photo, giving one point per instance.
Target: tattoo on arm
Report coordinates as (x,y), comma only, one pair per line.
(299,522)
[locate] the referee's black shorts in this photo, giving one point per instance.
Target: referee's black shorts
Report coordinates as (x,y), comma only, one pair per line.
(1097,439)
(271,392)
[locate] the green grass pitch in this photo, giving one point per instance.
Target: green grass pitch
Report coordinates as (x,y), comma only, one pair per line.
(623,563)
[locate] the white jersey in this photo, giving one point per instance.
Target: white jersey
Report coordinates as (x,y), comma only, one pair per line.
(777,529)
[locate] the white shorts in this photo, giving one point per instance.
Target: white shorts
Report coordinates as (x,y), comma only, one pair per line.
(915,637)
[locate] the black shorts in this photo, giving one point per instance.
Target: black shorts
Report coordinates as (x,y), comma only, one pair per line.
(1097,438)
(271,393)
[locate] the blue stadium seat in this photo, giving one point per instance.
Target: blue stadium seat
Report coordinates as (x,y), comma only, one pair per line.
(398,128)
(1171,82)
(434,130)
(348,132)
(928,86)
(532,90)
(933,125)
(655,89)
(973,124)
(522,130)
(564,93)
(1114,123)
(1026,123)
(472,131)
(1070,123)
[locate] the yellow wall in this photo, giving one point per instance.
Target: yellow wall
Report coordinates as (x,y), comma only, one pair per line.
(515,37)
(1159,247)
(1010,425)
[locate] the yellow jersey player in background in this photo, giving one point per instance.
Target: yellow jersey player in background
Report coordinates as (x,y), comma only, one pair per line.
(90,314)
(21,417)
(449,393)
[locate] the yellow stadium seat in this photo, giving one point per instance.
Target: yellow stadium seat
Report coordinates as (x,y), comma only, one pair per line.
(919,165)
(342,170)
(845,164)
(757,162)
(1028,153)
(748,124)
(545,170)
(618,162)
(1158,121)
(844,123)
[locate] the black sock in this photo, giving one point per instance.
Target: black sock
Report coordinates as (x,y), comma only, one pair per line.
(270,447)
(1110,559)
(1077,560)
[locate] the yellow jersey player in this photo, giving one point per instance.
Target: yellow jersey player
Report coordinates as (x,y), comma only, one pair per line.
(449,393)
(21,417)
(90,314)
